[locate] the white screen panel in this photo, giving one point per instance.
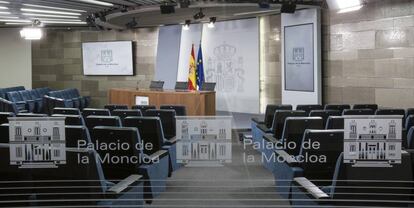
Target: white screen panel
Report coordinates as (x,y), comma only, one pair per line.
(107,58)
(231,59)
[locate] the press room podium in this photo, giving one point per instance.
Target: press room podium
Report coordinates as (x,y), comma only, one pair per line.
(198,103)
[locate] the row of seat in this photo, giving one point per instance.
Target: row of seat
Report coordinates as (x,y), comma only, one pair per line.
(23,100)
(68,98)
(3,91)
(329,182)
(133,130)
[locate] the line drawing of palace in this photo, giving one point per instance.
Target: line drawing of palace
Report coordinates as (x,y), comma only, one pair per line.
(204,140)
(37,142)
(372,141)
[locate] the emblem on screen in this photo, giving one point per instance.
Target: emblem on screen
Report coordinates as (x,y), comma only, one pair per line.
(372,141)
(299,54)
(226,69)
(203,140)
(106,56)
(37,142)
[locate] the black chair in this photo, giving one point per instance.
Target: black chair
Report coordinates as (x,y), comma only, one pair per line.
(340,107)
(153,167)
(330,147)
(22,104)
(95,112)
(167,120)
(409,111)
(324,114)
(294,130)
(4,116)
(373,107)
(93,121)
(66,111)
(358,112)
(72,120)
(309,108)
(279,121)
(180,110)
(335,122)
(392,112)
(269,113)
(77,136)
(354,186)
(113,107)
(71,184)
(143,108)
(122,114)
(409,122)
(410,139)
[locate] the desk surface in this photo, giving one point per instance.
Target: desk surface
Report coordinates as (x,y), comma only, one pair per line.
(198,103)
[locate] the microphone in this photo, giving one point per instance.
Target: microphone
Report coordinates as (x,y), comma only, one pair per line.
(137,88)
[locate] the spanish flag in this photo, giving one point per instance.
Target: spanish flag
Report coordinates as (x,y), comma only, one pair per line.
(192,71)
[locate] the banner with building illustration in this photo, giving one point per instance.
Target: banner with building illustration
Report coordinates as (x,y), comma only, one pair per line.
(373,141)
(203,140)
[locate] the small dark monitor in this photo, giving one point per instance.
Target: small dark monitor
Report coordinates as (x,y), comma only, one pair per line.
(156,85)
(181,86)
(208,86)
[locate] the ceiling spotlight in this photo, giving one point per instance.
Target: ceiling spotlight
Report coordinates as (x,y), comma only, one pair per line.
(199,15)
(32,33)
(184,3)
(288,7)
(264,4)
(168,7)
(133,23)
(212,21)
(186,26)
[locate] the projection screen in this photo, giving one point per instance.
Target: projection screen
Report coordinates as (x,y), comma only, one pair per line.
(107,58)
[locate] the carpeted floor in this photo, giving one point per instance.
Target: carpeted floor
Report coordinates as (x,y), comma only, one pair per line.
(238,184)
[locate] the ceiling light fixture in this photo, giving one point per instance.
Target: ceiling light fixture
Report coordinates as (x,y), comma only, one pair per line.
(49,15)
(186,26)
(102,3)
(51,19)
(18,23)
(32,33)
(199,15)
(4,2)
(64,22)
(3,7)
(15,20)
(8,17)
(212,22)
(5,13)
(343,6)
(50,7)
(49,11)
(350,9)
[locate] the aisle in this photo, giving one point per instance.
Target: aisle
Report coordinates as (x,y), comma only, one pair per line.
(238,184)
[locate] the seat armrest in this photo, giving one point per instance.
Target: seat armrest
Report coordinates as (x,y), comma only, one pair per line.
(264,128)
(291,161)
(256,120)
(125,183)
(270,138)
(172,140)
(310,188)
(158,154)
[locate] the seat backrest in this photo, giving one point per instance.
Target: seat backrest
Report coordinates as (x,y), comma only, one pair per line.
(31,115)
(270,113)
(4,133)
(409,122)
(335,122)
(358,112)
(77,136)
(294,129)
(309,108)
(143,108)
(122,114)
(130,140)
(391,112)
(67,111)
(410,138)
(279,120)
(72,120)
(373,107)
(14,96)
(369,183)
(180,110)
(113,107)
(95,112)
(330,146)
(25,94)
(339,107)
(167,120)
(409,112)
(4,116)
(324,114)
(93,121)
(150,130)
